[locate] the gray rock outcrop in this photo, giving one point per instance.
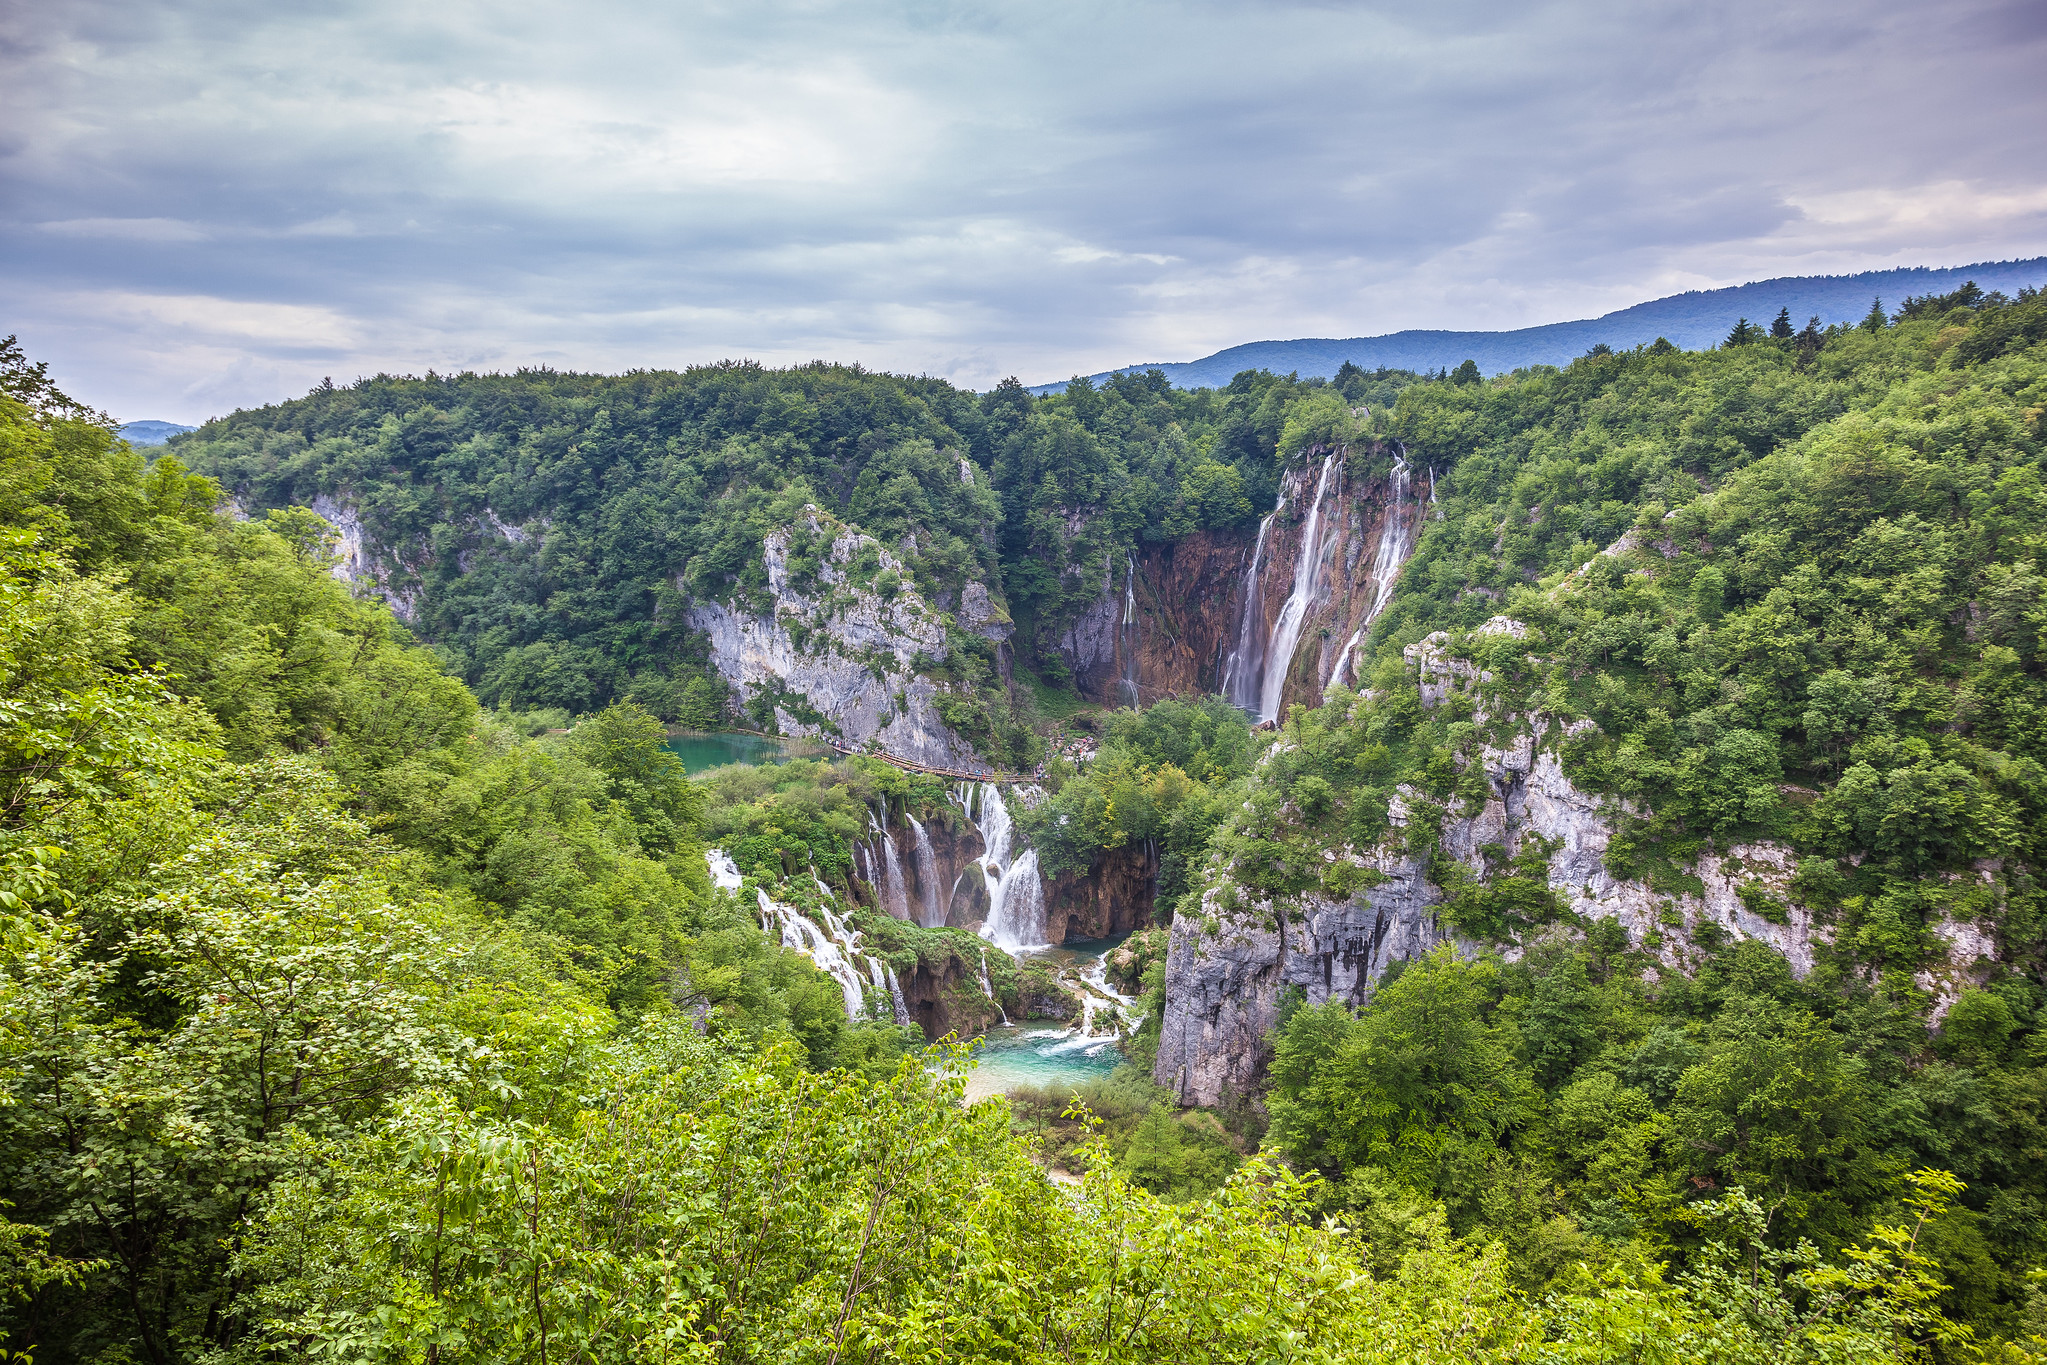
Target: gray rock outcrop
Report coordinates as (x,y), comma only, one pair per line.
(1226,968)
(849,653)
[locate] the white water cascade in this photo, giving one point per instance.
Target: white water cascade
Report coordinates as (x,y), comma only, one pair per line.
(1286,631)
(1016,896)
(1396,537)
(927,876)
(1129,630)
(831,952)
(1245,662)
(989,990)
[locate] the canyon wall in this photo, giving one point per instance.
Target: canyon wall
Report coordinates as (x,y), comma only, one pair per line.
(1197,614)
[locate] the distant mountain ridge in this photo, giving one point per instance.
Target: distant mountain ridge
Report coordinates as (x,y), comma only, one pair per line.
(1693,320)
(151,432)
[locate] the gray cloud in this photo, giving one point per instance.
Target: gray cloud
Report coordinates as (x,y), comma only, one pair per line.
(213,205)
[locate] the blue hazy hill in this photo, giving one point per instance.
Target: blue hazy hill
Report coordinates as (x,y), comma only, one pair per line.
(1693,320)
(150,433)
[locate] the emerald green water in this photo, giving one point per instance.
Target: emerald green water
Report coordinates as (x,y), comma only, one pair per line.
(702,749)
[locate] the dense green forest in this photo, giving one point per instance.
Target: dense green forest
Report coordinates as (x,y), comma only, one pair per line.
(653,486)
(348,1016)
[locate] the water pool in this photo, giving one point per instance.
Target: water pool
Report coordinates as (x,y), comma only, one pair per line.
(1010,1057)
(702,749)
(1036,1055)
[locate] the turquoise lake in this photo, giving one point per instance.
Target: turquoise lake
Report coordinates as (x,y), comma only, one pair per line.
(702,749)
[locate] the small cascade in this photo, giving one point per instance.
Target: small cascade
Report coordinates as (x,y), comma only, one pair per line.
(1286,630)
(927,876)
(724,872)
(831,952)
(989,990)
(1241,670)
(1129,629)
(884,977)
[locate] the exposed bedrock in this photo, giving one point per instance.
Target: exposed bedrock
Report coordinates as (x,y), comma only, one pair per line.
(1227,968)
(947,998)
(1168,619)
(1113,896)
(839,658)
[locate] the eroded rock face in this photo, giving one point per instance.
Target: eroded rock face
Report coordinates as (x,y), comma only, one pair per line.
(845,650)
(1113,896)
(1227,967)
(1225,971)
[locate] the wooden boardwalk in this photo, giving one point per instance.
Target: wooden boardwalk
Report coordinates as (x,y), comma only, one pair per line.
(907,765)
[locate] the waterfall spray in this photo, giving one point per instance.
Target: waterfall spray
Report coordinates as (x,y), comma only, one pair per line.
(1241,668)
(927,876)
(1286,631)
(1128,638)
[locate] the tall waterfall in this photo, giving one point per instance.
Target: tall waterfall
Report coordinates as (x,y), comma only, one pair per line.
(927,876)
(1396,538)
(1241,670)
(1128,638)
(1286,631)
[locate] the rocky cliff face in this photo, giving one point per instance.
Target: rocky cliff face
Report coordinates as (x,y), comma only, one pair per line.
(1168,618)
(1114,896)
(840,659)
(1226,968)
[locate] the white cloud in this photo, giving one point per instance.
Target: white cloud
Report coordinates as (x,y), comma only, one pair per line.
(220,203)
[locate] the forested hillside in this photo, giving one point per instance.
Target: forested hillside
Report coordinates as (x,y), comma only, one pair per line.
(1642,962)
(1705,743)
(549,532)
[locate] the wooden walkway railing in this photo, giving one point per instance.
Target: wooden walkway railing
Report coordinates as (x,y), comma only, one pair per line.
(906,764)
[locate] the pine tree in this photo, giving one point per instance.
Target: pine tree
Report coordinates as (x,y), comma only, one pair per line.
(1781,328)
(1744,332)
(1876,321)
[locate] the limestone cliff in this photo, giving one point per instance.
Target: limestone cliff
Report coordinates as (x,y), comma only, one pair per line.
(1226,968)
(839,655)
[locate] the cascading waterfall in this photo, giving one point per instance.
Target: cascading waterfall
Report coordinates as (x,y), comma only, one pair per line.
(989,990)
(1242,668)
(1016,897)
(1395,538)
(927,875)
(895,892)
(830,951)
(1129,632)
(885,980)
(1286,631)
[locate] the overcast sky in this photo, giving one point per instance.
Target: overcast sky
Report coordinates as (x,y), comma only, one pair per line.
(213,205)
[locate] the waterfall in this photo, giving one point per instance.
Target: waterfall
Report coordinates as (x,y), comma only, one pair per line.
(1286,631)
(895,893)
(884,977)
(831,952)
(724,872)
(1396,537)
(927,876)
(989,990)
(1016,916)
(1241,669)
(1393,539)
(1016,898)
(1129,633)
